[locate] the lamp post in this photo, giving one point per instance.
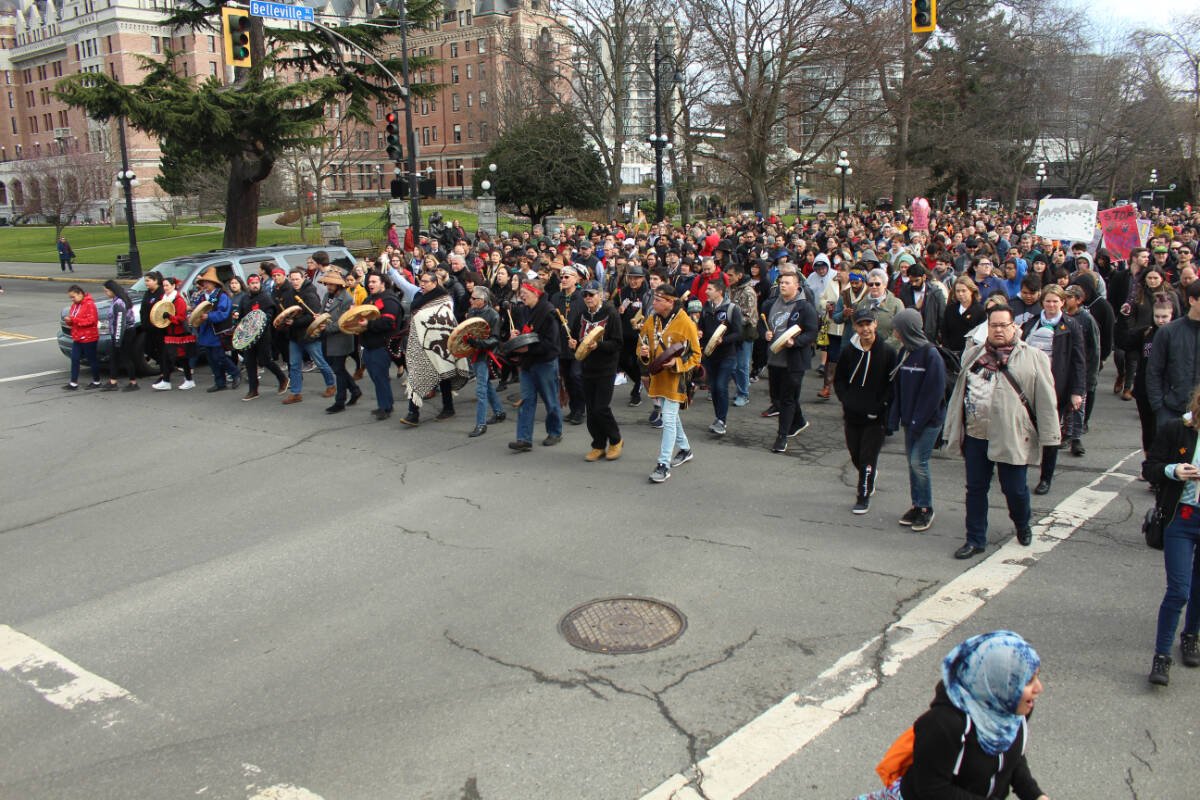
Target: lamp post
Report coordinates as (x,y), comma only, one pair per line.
(659,140)
(128,180)
(487,202)
(796,180)
(1041,176)
(843,169)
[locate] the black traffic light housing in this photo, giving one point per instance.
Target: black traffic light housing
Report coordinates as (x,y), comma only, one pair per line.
(924,16)
(235,24)
(393,137)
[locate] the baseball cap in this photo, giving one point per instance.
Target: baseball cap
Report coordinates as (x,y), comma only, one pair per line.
(591,287)
(864,315)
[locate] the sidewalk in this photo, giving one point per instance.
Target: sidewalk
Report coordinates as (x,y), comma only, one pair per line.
(35,271)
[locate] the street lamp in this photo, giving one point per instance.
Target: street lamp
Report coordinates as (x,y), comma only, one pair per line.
(1041,176)
(486,185)
(659,140)
(843,169)
(128,180)
(797,181)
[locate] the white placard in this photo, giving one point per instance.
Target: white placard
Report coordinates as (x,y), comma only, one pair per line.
(1067,219)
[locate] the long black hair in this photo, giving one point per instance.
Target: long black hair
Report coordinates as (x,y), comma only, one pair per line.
(119,291)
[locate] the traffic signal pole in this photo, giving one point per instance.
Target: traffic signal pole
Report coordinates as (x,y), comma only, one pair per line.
(414,192)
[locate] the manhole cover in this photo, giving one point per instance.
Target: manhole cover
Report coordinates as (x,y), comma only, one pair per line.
(622,625)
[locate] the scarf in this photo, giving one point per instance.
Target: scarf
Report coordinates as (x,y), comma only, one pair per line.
(985,677)
(427,355)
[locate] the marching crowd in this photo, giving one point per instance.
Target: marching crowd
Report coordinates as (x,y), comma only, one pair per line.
(972,332)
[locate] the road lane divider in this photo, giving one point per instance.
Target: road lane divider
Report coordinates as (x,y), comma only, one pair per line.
(58,679)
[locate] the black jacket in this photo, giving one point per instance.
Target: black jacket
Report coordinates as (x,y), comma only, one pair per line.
(937,744)
(731,316)
(958,325)
(1175,443)
(1068,363)
(261,300)
(541,320)
(290,297)
(799,355)
(383,327)
(933,312)
(567,306)
(1174,366)
(601,362)
(863,381)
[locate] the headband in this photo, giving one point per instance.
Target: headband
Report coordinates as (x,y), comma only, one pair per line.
(532,288)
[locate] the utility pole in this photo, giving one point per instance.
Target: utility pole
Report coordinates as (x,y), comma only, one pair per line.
(414,194)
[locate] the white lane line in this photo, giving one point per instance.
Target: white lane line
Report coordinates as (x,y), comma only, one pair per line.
(26,341)
(279,791)
(52,675)
(753,751)
(32,375)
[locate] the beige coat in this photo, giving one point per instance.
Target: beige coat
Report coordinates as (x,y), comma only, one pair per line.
(1012,438)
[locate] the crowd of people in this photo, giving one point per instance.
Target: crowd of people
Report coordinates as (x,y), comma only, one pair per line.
(974,332)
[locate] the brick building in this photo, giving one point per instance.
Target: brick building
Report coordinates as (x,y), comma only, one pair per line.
(41,138)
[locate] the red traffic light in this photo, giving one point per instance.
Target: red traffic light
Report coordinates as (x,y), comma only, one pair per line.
(391,118)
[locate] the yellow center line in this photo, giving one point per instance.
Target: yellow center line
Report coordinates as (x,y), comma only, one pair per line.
(11,335)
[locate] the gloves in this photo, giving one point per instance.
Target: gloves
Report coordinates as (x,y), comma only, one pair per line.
(472,341)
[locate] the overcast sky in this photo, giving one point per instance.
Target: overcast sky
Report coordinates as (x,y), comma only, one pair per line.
(1132,15)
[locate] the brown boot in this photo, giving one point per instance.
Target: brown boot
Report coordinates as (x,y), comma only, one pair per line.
(284,385)
(330,391)
(613,452)
(358,373)
(1119,384)
(595,454)
(292,398)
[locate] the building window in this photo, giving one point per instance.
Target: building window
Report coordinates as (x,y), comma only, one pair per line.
(469,68)
(454,102)
(483,131)
(482,69)
(457,134)
(155,45)
(470,131)
(425,136)
(482,99)
(481,46)
(435,138)
(470,99)
(467,46)
(462,19)
(454,50)
(212,44)
(454,74)
(212,68)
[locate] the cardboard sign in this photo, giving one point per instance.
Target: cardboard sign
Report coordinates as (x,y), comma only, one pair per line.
(1067,219)
(1120,226)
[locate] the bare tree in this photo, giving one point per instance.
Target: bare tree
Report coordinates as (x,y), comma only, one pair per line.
(785,74)
(1170,62)
(322,166)
(62,188)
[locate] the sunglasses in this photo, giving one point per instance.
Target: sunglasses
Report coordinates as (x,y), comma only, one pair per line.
(874,283)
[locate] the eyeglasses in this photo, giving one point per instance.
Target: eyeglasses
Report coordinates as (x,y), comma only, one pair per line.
(874,283)
(996,326)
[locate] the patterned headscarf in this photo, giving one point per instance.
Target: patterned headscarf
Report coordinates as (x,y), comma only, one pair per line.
(984,678)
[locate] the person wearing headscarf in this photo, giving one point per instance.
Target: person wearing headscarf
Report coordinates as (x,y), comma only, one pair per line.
(972,740)
(918,406)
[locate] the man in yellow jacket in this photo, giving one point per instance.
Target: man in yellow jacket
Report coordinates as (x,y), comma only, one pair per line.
(668,326)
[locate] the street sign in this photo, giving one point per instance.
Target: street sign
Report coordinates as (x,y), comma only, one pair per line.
(260,8)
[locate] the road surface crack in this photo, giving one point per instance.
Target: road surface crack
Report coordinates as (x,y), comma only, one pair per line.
(707,541)
(471,503)
(437,541)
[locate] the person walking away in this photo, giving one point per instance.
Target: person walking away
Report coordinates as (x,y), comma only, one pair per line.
(1164,310)
(1174,366)
(1060,338)
(1002,416)
(84,322)
(863,385)
(918,406)
(66,256)
(1172,468)
(121,330)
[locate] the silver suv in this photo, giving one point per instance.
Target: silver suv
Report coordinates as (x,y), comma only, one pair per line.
(228,263)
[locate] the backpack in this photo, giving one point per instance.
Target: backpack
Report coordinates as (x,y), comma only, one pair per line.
(899,757)
(953,367)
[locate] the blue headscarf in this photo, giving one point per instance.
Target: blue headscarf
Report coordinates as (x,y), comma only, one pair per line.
(984,678)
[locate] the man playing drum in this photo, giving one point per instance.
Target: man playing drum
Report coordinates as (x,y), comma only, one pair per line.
(258,353)
(598,368)
(669,330)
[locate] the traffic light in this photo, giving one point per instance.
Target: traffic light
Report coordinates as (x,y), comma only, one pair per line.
(924,15)
(393,137)
(235,24)
(399,188)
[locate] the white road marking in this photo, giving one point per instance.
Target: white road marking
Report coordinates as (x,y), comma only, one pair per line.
(52,675)
(753,751)
(33,375)
(279,791)
(27,341)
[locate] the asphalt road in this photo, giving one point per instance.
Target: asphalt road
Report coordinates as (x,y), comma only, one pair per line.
(201,597)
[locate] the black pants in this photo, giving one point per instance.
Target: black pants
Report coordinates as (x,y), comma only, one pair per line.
(259,354)
(787,386)
(345,383)
(864,441)
(570,372)
(631,365)
(1147,417)
(1131,367)
(447,400)
(122,359)
(171,357)
(597,398)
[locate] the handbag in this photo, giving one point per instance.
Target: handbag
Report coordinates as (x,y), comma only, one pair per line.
(1153,525)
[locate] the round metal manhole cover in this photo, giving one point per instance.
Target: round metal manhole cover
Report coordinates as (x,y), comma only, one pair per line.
(622,625)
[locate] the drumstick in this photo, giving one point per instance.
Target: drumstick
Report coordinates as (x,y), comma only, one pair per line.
(512,326)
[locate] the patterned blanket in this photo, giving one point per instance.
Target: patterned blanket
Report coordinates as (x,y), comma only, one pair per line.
(428,351)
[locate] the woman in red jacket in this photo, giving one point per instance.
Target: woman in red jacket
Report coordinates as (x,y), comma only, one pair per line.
(84,322)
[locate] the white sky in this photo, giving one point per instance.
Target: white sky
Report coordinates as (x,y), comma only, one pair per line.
(1131,14)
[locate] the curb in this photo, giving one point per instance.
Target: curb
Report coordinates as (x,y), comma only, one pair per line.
(55,279)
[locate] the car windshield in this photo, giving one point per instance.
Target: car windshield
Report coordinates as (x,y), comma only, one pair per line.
(168,269)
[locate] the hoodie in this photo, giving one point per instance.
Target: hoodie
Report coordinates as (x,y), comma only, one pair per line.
(863,380)
(919,386)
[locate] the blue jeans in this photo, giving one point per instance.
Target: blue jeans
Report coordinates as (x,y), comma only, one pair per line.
(979,482)
(485,393)
(718,373)
(80,351)
(673,436)
(539,380)
(918,448)
(378,363)
(1181,555)
(296,351)
(741,369)
(220,364)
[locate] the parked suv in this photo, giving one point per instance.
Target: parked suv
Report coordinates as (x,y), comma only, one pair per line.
(228,263)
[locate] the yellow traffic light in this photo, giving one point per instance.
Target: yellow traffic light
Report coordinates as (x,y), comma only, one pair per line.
(924,15)
(235,24)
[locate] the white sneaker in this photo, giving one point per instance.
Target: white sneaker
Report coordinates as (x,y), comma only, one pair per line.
(187,385)
(162,386)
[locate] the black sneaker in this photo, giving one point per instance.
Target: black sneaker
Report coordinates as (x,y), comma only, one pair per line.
(923,519)
(499,416)
(71,387)
(1189,644)
(908,516)
(336,408)
(780,445)
(1160,670)
(108,387)
(635,400)
(1025,535)
(479,430)
(93,385)
(770,411)
(131,387)
(212,389)
(798,431)
(445,413)
(551,440)
(682,457)
(861,505)
(1077,448)
(660,474)
(520,446)
(411,420)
